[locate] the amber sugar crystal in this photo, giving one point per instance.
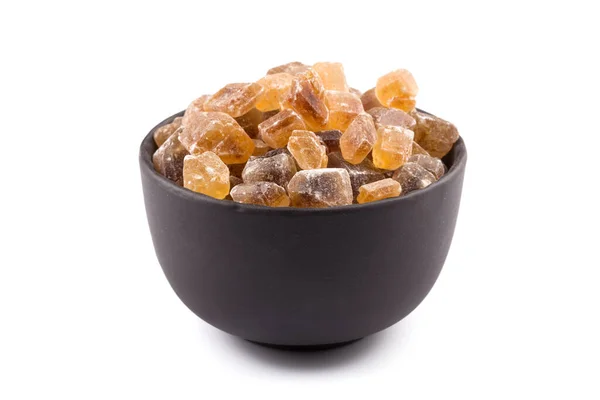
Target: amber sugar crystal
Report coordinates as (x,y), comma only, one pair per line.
(306,98)
(317,188)
(379,190)
(392,116)
(393,147)
(431,164)
(358,140)
(369,100)
(205,173)
(168,159)
(260,147)
(274,87)
(235,99)
(164,132)
(260,193)
(195,106)
(343,108)
(360,174)
(332,75)
(293,68)
(277,167)
(435,135)
(412,176)
(307,150)
(397,89)
(276,130)
(219,133)
(250,121)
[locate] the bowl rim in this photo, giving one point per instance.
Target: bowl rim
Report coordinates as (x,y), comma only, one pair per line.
(459,152)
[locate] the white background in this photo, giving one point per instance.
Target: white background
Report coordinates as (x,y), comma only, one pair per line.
(85,311)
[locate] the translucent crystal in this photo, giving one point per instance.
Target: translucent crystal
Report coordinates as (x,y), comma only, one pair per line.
(416,149)
(434,134)
(260,147)
(219,133)
(332,75)
(278,168)
(393,147)
(235,99)
(412,177)
(343,108)
(164,132)
(260,193)
(379,190)
(306,98)
(369,100)
(195,106)
(276,130)
(360,174)
(274,87)
(331,139)
(168,159)
(392,116)
(307,150)
(293,68)
(250,121)
(397,89)
(358,140)
(431,164)
(205,173)
(324,187)
(355,92)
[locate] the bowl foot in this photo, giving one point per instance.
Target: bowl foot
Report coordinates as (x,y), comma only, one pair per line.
(305,348)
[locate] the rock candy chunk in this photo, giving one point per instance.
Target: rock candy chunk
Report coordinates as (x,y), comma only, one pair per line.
(260,147)
(392,116)
(260,193)
(358,140)
(360,174)
(274,87)
(293,68)
(235,99)
(434,134)
(281,150)
(332,75)
(306,98)
(413,177)
(276,130)
(164,132)
(250,121)
(416,149)
(324,187)
(278,168)
(383,189)
(234,181)
(431,164)
(355,91)
(219,133)
(343,108)
(205,173)
(195,106)
(369,100)
(331,139)
(168,159)
(393,147)
(397,89)
(307,150)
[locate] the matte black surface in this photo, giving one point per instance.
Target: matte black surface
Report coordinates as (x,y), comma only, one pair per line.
(301,277)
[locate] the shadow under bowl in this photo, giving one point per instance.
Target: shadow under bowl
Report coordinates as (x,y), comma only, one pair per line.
(301,278)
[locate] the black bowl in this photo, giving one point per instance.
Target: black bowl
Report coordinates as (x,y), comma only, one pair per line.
(301,277)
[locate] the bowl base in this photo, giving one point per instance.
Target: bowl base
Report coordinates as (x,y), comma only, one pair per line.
(305,348)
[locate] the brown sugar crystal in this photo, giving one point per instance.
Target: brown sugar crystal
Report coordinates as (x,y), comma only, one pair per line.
(412,176)
(358,140)
(276,130)
(369,100)
(293,68)
(306,98)
(260,193)
(317,188)
(393,147)
(219,133)
(392,116)
(277,167)
(205,173)
(397,89)
(164,132)
(332,75)
(235,99)
(274,87)
(431,164)
(260,147)
(360,174)
(435,135)
(379,190)
(331,139)
(307,150)
(343,108)
(195,106)
(250,121)
(168,159)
